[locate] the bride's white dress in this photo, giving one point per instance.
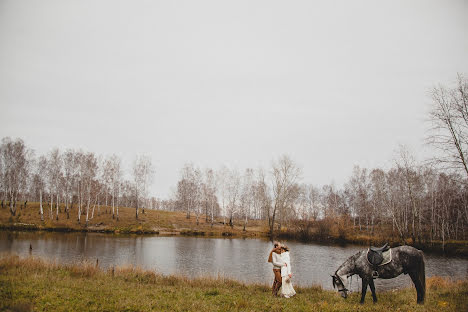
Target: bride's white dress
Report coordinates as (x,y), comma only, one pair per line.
(286,289)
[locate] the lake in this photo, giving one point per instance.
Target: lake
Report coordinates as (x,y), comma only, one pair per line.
(241,259)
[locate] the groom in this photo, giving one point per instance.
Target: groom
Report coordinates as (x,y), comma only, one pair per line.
(275,259)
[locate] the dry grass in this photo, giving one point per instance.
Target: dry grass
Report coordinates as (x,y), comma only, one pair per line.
(28,284)
(152,221)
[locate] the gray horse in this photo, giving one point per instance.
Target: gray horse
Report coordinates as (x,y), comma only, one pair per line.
(404,259)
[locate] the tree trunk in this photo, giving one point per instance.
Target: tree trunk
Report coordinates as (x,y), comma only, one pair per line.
(66,204)
(136,209)
(87,208)
(272,225)
(12,208)
(57,208)
(40,206)
(51,206)
(212,214)
(79,207)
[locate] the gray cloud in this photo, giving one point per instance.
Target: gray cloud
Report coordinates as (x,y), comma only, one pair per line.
(331,83)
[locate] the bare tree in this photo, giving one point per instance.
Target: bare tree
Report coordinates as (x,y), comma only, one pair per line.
(70,168)
(15,159)
(449,117)
(54,173)
(112,176)
(378,196)
(39,181)
(309,202)
(115,181)
(142,177)
(80,181)
(407,164)
(197,193)
(210,193)
(286,175)
(221,179)
(90,166)
(247,195)
(262,202)
(233,194)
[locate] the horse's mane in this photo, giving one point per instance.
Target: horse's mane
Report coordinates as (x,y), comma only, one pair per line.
(350,259)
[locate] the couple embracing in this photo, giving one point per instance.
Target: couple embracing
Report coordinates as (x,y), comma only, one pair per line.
(279,257)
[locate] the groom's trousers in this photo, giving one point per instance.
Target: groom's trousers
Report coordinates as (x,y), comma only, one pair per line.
(277,283)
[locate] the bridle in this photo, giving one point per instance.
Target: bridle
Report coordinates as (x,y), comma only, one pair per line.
(341,281)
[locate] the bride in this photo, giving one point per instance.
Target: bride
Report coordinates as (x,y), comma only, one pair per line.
(286,289)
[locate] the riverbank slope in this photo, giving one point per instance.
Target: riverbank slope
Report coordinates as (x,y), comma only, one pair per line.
(31,284)
(150,222)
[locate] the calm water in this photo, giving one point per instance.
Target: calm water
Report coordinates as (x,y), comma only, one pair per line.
(241,259)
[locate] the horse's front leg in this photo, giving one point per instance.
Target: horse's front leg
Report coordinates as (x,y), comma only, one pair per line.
(372,288)
(365,282)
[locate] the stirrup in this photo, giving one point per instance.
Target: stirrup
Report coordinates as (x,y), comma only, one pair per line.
(375,274)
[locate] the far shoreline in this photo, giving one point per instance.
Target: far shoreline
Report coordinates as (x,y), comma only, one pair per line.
(455,249)
(176,224)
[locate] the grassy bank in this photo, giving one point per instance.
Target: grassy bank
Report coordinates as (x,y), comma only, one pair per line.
(150,222)
(31,284)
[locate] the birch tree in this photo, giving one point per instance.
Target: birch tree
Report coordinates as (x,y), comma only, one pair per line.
(39,181)
(54,173)
(90,166)
(188,190)
(263,200)
(15,165)
(197,193)
(112,176)
(221,181)
(115,180)
(143,172)
(233,194)
(247,195)
(70,168)
(449,129)
(285,174)
(210,193)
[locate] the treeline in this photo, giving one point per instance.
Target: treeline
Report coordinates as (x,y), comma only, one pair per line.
(72,178)
(409,200)
(424,202)
(413,200)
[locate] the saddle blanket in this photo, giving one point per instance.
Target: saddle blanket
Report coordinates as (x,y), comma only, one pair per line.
(387,257)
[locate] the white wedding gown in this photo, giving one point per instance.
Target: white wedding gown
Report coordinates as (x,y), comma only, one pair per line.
(286,289)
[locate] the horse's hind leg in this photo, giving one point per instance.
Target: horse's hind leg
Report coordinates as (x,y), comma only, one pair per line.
(419,287)
(372,288)
(365,282)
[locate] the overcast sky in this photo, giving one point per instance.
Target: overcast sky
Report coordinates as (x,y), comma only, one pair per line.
(333,84)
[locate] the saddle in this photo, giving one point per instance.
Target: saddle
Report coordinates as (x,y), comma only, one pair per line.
(375,254)
(378,256)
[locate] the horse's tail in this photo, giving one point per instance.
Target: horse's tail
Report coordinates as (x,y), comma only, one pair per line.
(422,275)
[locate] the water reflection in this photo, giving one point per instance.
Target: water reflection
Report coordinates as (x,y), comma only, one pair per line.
(241,259)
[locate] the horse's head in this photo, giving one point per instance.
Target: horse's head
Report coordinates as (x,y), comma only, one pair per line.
(338,283)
